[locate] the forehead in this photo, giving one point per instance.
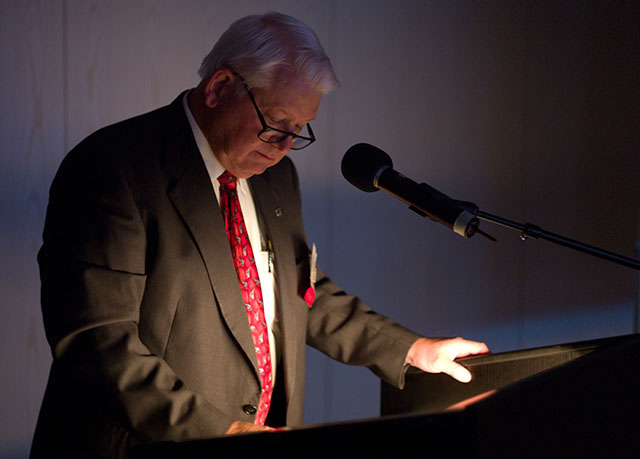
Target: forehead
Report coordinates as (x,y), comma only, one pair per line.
(290,97)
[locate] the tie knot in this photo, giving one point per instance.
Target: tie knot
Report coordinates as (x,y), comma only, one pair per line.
(228,181)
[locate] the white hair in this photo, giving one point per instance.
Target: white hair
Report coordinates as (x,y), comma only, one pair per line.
(256,46)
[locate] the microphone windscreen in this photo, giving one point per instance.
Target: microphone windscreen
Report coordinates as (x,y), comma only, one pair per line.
(361,163)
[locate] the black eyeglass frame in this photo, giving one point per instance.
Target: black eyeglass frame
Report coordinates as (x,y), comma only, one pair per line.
(266,127)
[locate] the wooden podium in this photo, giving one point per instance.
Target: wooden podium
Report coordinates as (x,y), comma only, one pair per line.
(572,400)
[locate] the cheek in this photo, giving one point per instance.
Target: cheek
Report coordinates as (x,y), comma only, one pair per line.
(242,140)
(246,131)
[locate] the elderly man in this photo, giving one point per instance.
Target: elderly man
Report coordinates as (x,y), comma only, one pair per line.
(178,292)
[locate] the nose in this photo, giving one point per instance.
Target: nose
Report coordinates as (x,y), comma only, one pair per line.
(285,144)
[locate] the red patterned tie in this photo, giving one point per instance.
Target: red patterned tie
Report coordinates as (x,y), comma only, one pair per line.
(249,285)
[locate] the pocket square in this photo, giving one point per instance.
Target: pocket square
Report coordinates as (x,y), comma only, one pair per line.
(310,294)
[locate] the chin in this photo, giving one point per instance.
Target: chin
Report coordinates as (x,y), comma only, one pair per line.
(260,168)
(250,172)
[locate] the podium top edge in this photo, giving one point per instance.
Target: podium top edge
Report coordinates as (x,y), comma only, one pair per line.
(582,347)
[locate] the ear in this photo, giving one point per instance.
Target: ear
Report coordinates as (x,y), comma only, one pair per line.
(219,85)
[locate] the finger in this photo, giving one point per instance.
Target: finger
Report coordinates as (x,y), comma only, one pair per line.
(465,348)
(245,427)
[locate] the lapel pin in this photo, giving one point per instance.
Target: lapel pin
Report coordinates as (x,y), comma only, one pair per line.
(278,212)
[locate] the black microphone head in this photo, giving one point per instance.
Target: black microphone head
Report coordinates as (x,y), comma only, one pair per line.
(361,163)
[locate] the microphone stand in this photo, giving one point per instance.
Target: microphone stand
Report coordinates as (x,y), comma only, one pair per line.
(527,230)
(530,230)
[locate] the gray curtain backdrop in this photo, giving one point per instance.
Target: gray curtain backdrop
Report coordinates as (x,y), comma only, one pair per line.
(528,108)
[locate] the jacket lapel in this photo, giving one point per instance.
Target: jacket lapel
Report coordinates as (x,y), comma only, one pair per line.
(292,317)
(194,199)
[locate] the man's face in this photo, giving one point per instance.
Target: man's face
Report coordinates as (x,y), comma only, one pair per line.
(233,131)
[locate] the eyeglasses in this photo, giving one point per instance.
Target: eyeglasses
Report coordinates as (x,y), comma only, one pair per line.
(270,134)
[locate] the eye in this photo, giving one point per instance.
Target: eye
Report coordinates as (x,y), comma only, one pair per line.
(273,120)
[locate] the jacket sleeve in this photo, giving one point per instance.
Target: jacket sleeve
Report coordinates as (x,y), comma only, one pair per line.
(93,271)
(342,326)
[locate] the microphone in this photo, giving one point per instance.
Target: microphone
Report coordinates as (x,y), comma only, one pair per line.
(370,169)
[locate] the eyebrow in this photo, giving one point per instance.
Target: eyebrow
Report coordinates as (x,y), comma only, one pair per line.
(282,110)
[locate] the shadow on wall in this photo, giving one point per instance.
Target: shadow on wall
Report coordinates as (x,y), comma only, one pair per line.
(420,273)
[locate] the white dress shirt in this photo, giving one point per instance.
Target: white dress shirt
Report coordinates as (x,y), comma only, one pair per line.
(261,254)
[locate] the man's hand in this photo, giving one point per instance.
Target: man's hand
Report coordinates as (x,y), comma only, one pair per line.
(436,355)
(245,427)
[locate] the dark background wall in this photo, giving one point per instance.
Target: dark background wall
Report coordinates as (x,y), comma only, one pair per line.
(529,109)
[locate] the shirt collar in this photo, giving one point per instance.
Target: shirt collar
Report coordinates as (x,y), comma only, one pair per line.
(214,168)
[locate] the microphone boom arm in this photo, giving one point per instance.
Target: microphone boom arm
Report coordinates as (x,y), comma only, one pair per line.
(530,230)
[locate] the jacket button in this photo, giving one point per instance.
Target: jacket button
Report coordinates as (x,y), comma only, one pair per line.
(249,409)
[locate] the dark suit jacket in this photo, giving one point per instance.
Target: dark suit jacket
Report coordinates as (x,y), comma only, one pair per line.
(141,304)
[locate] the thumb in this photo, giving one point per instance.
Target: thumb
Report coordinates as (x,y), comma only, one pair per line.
(456,371)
